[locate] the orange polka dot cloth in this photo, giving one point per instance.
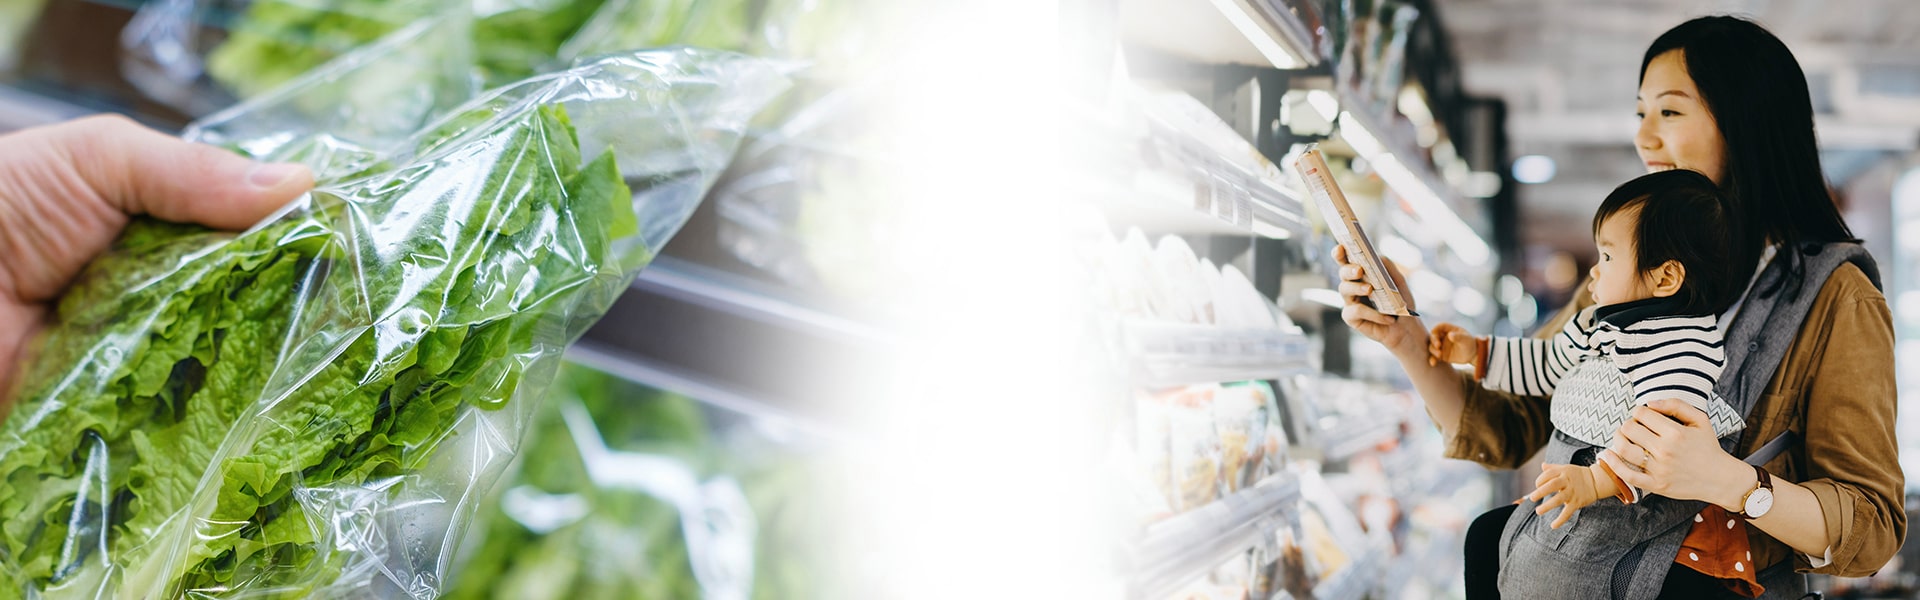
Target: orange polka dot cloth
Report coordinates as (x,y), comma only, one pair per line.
(1717,547)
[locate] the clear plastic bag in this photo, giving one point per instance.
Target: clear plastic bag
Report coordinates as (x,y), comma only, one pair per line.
(201,55)
(624,491)
(315,406)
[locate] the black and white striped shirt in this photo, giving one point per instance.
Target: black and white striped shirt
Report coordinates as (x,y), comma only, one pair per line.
(1664,356)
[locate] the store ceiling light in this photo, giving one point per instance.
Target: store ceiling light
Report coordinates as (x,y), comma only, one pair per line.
(1533,168)
(1262,40)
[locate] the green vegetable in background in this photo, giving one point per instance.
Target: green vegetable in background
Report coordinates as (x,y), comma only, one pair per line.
(552,532)
(209,409)
(274,41)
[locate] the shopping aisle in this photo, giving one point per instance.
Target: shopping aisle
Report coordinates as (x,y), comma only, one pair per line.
(993,299)
(1262,449)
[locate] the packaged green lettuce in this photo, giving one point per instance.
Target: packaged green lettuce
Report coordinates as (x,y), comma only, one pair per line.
(313,407)
(202,55)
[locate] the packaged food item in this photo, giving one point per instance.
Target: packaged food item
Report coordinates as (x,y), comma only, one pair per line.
(1241,417)
(1195,444)
(200,56)
(1153,445)
(298,409)
(1175,265)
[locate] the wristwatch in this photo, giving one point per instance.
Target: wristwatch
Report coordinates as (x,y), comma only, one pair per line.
(1758,500)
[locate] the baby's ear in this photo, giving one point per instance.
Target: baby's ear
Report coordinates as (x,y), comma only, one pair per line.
(1666,278)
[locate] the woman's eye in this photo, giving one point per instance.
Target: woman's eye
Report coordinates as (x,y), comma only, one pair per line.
(1668,113)
(1603,256)
(1639,115)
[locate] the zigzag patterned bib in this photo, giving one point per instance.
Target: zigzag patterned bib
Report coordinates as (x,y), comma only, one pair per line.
(1595,398)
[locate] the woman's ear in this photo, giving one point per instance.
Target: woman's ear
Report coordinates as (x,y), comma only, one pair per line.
(1665,279)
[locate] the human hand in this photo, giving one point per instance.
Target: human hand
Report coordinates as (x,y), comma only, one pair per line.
(1568,487)
(67,190)
(1449,343)
(1678,455)
(1404,336)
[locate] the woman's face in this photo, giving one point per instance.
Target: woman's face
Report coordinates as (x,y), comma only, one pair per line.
(1676,129)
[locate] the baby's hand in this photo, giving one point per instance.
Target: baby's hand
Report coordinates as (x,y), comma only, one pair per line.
(1566,486)
(1451,344)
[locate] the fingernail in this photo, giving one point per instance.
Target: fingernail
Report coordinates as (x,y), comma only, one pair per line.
(269,175)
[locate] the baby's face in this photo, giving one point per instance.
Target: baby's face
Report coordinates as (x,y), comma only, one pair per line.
(1616,278)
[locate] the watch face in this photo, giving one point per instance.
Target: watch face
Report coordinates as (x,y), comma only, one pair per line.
(1759,502)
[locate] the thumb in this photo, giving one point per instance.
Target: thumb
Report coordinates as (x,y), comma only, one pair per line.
(141,171)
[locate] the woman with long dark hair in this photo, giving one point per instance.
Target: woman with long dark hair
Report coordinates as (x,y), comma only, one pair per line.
(1815,478)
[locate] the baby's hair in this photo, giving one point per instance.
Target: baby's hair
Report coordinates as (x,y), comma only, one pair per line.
(1684,217)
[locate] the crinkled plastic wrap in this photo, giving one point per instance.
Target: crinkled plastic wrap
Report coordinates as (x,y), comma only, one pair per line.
(624,491)
(200,55)
(315,407)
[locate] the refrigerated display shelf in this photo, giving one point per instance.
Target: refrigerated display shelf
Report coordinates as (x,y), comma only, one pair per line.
(1180,549)
(1356,579)
(592,354)
(1170,354)
(1161,206)
(1397,142)
(1354,434)
(1403,569)
(1177,182)
(1246,32)
(754,338)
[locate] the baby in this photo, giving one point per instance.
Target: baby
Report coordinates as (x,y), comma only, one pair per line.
(1665,272)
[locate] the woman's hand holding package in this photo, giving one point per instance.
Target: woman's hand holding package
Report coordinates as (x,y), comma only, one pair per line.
(1405,337)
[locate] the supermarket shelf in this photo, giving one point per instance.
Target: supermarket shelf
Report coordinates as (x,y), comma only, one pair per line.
(1229,178)
(1186,173)
(738,334)
(1356,579)
(1247,32)
(1402,569)
(667,378)
(1352,435)
(1170,354)
(1404,166)
(1174,552)
(1163,204)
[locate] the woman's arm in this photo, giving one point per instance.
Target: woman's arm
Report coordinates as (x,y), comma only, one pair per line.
(1497,429)
(1852,465)
(1406,337)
